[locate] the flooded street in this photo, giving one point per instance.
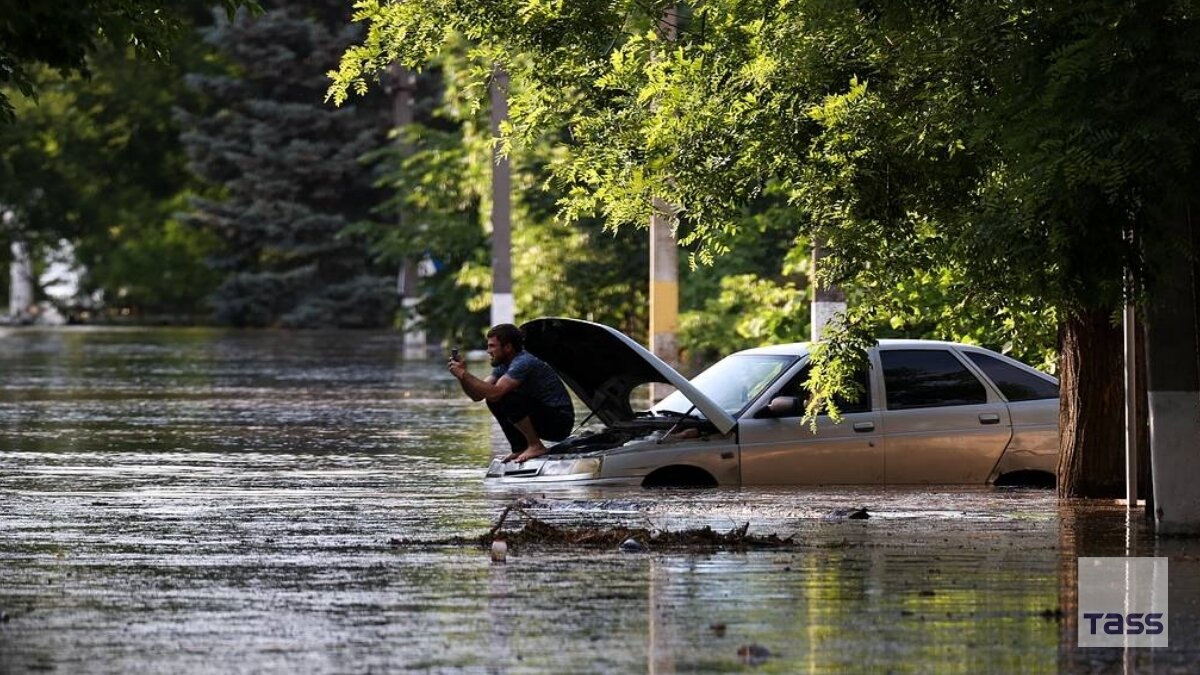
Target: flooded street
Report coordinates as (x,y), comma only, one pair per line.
(206,501)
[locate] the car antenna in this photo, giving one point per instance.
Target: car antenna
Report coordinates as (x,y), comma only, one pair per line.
(676,425)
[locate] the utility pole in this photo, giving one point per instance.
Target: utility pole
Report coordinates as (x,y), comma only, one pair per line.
(664,263)
(828,301)
(408,282)
(664,284)
(503,309)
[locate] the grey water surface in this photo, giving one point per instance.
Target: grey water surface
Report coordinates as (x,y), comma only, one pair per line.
(215,501)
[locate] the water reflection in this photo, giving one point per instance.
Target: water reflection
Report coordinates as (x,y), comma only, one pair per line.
(184,500)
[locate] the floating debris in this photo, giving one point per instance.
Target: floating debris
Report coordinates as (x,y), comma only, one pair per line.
(632,545)
(499,550)
(753,654)
(848,514)
(535,532)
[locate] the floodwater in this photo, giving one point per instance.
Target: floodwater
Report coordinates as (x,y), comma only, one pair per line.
(207,501)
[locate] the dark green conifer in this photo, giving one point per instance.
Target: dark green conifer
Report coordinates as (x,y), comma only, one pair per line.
(288,165)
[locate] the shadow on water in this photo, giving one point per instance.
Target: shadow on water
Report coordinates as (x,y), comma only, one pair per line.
(195,500)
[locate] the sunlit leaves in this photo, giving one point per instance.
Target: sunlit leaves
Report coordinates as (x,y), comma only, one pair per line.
(985,157)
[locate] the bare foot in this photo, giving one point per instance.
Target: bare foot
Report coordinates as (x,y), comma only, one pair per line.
(531,452)
(510,457)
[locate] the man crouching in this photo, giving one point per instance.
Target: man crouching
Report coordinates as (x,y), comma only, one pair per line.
(523,393)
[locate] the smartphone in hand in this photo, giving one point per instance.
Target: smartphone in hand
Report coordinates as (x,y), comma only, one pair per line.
(454,355)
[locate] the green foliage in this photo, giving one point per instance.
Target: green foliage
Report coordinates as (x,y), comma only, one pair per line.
(97,161)
(986,157)
(756,294)
(62,35)
(289,173)
(749,311)
(440,173)
(160,271)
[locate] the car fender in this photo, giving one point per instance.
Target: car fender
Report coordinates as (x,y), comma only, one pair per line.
(1034,442)
(718,457)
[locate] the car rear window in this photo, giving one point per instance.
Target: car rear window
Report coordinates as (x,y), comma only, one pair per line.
(1016,384)
(925,378)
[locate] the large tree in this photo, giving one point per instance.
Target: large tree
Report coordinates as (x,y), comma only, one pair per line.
(290,172)
(1007,146)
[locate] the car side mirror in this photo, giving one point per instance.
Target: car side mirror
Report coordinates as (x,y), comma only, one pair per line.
(784,406)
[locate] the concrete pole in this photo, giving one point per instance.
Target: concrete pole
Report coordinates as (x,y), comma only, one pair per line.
(664,265)
(1131,406)
(827,301)
(664,284)
(503,309)
(1173,379)
(408,281)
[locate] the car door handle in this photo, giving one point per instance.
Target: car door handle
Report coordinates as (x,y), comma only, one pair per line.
(863,427)
(989,418)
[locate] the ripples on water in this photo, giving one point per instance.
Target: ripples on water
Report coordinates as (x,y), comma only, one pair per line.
(193,500)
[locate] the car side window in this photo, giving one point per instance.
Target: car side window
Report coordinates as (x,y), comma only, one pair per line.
(926,378)
(1014,383)
(795,387)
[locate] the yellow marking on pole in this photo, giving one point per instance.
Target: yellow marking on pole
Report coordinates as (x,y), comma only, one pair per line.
(664,306)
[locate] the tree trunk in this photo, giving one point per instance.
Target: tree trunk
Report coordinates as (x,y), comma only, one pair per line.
(1091,411)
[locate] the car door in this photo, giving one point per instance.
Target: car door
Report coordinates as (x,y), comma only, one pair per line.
(782,450)
(941,423)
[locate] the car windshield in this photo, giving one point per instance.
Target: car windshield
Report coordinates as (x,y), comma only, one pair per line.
(731,383)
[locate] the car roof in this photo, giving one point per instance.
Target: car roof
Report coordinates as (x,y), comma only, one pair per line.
(801,348)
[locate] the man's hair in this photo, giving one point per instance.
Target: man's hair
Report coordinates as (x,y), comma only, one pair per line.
(508,334)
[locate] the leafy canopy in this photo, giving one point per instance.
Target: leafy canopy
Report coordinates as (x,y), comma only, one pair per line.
(61,36)
(994,153)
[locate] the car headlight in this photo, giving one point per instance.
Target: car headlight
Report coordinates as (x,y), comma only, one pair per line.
(495,469)
(567,467)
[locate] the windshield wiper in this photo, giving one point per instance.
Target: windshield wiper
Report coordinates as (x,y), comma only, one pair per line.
(682,417)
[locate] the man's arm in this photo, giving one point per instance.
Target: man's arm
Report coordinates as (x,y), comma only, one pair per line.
(490,389)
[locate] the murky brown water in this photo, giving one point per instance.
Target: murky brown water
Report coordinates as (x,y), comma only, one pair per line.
(202,501)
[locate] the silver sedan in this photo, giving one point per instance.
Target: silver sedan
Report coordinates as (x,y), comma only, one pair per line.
(929,412)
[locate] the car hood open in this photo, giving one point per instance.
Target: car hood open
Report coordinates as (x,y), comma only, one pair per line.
(602,366)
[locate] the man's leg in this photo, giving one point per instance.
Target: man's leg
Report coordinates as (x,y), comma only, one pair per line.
(516,439)
(534,446)
(526,416)
(543,422)
(513,412)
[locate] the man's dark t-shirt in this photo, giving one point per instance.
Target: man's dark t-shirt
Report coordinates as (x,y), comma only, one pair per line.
(538,381)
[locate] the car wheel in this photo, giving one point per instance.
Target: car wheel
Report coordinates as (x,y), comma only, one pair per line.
(679,476)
